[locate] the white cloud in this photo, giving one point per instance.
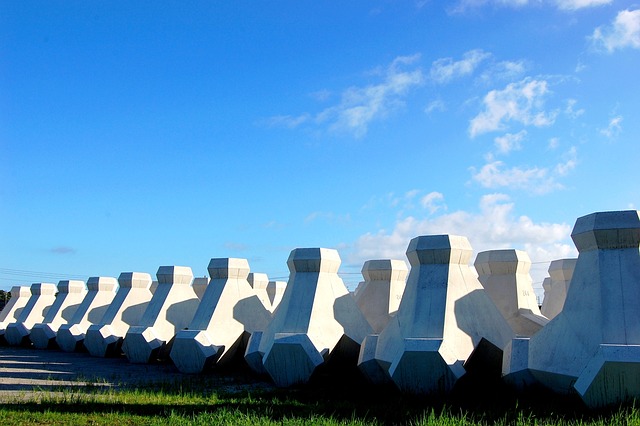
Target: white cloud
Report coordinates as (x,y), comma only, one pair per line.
(570,162)
(579,4)
(494,226)
(614,128)
(520,102)
(432,202)
(464,5)
(288,121)
(571,111)
(623,32)
(510,142)
(533,179)
(504,70)
(437,105)
(359,106)
(444,70)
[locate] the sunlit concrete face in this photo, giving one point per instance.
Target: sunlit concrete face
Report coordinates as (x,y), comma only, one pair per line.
(591,346)
(443,317)
(504,274)
(229,312)
(19,297)
(100,293)
(316,312)
(556,286)
(171,308)
(105,338)
(36,308)
(70,295)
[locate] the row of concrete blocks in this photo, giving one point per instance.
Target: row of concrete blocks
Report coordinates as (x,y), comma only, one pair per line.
(423,335)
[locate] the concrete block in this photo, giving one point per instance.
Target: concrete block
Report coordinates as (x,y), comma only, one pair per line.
(591,345)
(504,274)
(275,291)
(171,308)
(442,319)
(381,292)
(556,286)
(41,299)
(70,295)
(105,338)
(315,313)
(230,310)
(100,293)
(200,286)
(19,297)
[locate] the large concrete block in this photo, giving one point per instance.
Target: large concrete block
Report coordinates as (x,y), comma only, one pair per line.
(556,286)
(315,314)
(591,346)
(70,295)
(275,292)
(11,312)
(126,309)
(444,316)
(41,299)
(171,308)
(229,312)
(100,293)
(379,295)
(504,274)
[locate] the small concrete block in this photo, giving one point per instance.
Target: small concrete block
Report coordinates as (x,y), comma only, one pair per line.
(102,341)
(193,352)
(200,286)
(515,364)
(292,359)
(17,334)
(175,275)
(371,368)
(70,337)
(34,311)
(142,346)
(556,286)
(43,336)
(252,355)
(275,291)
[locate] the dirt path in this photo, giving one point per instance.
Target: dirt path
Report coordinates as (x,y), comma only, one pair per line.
(25,371)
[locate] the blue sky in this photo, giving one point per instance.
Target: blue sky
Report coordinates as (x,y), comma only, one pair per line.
(140,134)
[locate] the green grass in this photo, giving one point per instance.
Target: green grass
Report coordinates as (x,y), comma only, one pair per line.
(182,404)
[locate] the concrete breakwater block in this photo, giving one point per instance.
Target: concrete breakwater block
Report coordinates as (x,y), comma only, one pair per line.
(230,311)
(42,297)
(126,309)
(591,346)
(504,274)
(70,295)
(171,308)
(316,320)
(444,317)
(12,310)
(100,293)
(556,286)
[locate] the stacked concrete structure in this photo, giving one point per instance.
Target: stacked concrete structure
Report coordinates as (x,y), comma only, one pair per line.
(229,312)
(504,274)
(444,316)
(100,293)
(556,286)
(12,310)
(316,320)
(42,297)
(126,309)
(275,292)
(593,345)
(171,308)
(70,295)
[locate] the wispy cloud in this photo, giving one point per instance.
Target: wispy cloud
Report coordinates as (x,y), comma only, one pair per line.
(504,71)
(444,70)
(510,142)
(234,246)
(521,102)
(360,106)
(433,202)
(623,32)
(614,127)
(579,4)
(62,250)
(437,105)
(493,226)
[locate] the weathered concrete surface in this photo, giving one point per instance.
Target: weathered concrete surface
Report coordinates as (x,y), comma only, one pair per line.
(592,345)
(71,293)
(171,308)
(381,292)
(315,314)
(100,293)
(230,311)
(556,286)
(504,274)
(12,310)
(444,316)
(41,299)
(126,309)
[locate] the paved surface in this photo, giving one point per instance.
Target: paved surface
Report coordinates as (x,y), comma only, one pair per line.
(24,371)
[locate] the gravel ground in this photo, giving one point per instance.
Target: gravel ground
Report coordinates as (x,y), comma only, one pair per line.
(25,372)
